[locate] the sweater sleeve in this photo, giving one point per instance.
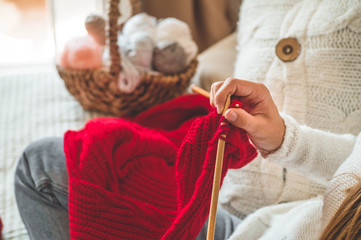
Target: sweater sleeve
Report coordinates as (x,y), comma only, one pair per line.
(311,152)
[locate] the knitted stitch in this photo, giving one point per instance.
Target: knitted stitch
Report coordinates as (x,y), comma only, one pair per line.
(320,89)
(128,181)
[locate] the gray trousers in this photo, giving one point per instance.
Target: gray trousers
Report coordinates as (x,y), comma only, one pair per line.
(41,190)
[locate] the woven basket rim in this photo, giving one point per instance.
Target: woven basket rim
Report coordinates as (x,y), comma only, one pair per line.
(97,88)
(111,67)
(105,69)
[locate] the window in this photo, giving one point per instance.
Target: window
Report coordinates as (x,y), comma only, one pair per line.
(31,31)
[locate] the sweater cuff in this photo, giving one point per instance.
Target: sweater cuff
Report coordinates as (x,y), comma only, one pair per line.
(289,140)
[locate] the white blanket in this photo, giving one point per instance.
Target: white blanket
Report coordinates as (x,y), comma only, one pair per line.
(32,106)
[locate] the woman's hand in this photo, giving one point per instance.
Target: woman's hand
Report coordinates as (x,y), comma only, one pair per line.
(259,117)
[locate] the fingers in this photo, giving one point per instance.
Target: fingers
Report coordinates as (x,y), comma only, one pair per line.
(250,92)
(240,118)
(259,116)
(214,88)
(229,87)
(234,86)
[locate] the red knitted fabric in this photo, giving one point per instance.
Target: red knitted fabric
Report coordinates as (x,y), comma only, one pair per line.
(1,228)
(127,181)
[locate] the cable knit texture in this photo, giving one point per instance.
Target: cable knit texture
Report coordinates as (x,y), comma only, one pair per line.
(305,219)
(319,94)
(321,88)
(128,181)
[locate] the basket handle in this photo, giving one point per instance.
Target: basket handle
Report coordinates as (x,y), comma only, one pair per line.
(113,15)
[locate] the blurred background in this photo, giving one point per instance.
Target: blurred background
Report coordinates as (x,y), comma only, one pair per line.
(31,30)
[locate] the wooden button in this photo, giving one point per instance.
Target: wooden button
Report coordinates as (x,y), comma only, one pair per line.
(288,49)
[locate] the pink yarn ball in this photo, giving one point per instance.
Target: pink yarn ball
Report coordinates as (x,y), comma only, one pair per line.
(82,53)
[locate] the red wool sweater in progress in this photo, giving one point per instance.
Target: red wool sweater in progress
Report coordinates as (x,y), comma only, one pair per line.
(151,177)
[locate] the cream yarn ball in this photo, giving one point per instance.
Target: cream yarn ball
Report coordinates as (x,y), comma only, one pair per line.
(172,29)
(139,48)
(141,22)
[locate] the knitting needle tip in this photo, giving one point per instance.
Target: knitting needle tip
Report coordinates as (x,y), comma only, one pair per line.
(200,91)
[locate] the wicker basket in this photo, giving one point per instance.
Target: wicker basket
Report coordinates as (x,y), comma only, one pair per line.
(97,89)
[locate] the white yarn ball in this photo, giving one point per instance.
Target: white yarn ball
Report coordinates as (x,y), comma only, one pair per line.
(142,31)
(141,22)
(139,49)
(170,29)
(190,48)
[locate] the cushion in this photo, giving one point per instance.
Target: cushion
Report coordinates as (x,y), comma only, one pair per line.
(217,62)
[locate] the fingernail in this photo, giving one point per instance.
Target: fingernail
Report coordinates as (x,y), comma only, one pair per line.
(219,110)
(231,116)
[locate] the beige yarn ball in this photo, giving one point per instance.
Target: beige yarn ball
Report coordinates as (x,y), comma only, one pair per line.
(95,26)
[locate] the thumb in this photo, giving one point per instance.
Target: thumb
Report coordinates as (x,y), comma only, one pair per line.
(240,118)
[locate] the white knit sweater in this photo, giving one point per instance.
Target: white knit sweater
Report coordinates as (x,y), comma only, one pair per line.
(304,152)
(321,89)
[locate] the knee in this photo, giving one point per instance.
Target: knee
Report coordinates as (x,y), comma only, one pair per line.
(42,148)
(34,161)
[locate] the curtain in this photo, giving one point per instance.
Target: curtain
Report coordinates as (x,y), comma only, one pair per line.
(209,20)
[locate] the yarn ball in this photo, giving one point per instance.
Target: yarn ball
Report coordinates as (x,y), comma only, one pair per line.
(169,57)
(82,53)
(129,78)
(140,22)
(190,48)
(170,29)
(139,49)
(95,26)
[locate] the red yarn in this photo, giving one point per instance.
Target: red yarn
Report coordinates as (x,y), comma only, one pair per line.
(1,228)
(128,181)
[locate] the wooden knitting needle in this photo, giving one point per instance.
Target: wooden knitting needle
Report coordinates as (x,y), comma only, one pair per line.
(200,91)
(217,170)
(217,179)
